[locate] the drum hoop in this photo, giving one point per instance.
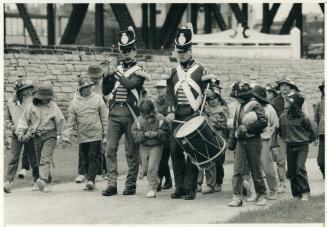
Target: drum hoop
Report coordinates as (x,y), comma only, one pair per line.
(192,134)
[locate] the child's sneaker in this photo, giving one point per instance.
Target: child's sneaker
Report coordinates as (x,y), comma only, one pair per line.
(208,190)
(90,186)
(98,178)
(272,195)
(41,184)
(80,179)
(252,198)
(7,187)
(218,188)
(35,187)
(236,201)
(305,197)
(151,194)
(22,173)
(261,201)
(199,188)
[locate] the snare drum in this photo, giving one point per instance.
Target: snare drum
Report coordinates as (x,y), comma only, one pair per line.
(199,141)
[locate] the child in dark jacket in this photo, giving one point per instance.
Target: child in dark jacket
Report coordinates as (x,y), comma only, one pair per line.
(150,130)
(295,128)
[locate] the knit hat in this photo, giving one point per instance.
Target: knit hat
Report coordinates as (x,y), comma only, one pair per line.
(85,82)
(289,82)
(22,84)
(44,92)
(296,99)
(95,71)
(260,93)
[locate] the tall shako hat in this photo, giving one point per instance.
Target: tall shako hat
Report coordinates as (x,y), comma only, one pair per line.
(183,39)
(126,39)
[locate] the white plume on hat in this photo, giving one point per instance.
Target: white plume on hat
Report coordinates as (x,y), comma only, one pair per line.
(130,28)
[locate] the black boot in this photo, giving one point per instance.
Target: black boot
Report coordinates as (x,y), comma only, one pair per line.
(178,193)
(109,191)
(168,184)
(190,195)
(129,191)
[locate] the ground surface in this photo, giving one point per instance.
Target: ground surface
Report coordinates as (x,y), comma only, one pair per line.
(69,204)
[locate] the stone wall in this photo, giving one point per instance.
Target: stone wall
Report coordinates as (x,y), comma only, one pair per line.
(62,64)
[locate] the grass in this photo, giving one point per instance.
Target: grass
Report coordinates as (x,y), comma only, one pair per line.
(290,211)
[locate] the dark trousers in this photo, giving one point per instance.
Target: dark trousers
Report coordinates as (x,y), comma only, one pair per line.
(91,154)
(102,167)
(163,170)
(25,160)
(82,165)
(185,172)
(220,173)
(16,149)
(321,154)
(296,171)
(116,128)
(248,151)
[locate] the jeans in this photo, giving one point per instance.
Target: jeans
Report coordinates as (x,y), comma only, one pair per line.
(248,150)
(185,172)
(91,154)
(116,128)
(16,148)
(82,166)
(44,146)
(163,170)
(150,159)
(210,176)
(296,171)
(321,154)
(268,166)
(281,163)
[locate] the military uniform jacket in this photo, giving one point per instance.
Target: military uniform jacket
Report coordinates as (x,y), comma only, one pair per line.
(185,88)
(124,90)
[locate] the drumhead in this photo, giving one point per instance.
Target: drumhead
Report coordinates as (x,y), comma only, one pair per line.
(189,127)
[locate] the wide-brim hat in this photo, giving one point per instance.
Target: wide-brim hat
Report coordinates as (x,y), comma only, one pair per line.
(85,82)
(44,92)
(126,39)
(23,84)
(260,93)
(183,39)
(271,87)
(95,71)
(289,82)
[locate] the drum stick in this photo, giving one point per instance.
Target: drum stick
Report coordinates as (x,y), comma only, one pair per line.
(183,122)
(204,100)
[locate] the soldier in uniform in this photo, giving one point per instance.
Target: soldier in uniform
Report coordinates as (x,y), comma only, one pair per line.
(124,83)
(185,88)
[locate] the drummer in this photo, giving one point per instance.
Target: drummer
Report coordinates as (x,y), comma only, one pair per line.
(185,88)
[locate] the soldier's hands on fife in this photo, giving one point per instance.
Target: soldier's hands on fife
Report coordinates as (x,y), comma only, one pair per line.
(170,118)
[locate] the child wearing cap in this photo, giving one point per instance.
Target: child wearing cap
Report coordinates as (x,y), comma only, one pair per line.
(150,131)
(162,108)
(296,129)
(43,120)
(217,112)
(320,119)
(14,110)
(88,113)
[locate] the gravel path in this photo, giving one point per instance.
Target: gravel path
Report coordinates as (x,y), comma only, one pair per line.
(69,204)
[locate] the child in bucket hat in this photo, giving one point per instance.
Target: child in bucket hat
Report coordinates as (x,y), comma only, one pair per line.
(89,113)
(296,130)
(43,120)
(14,110)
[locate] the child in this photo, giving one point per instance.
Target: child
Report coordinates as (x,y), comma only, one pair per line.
(266,157)
(296,130)
(150,130)
(245,137)
(14,110)
(217,112)
(42,119)
(320,119)
(89,113)
(271,91)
